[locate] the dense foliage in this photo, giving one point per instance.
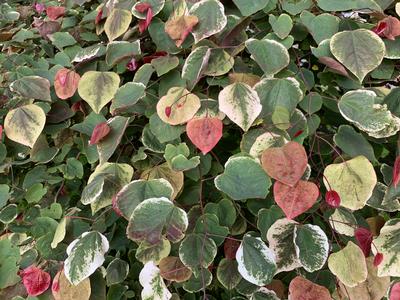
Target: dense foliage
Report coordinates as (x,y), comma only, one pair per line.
(200,149)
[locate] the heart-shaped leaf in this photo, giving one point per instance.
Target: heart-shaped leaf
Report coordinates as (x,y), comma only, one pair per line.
(204,133)
(32,87)
(179,28)
(286,164)
(117,23)
(304,289)
(65,83)
(295,200)
(240,103)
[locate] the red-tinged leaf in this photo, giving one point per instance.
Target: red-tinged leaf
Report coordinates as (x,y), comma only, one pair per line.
(230,248)
(39,7)
(99,132)
(332,198)
(295,200)
(46,27)
(115,206)
(395,292)
(55,12)
(142,7)
(55,287)
(168,111)
(149,58)
(204,133)
(77,106)
(303,289)
(334,65)
(389,28)
(132,65)
(66,83)
(285,164)
(1,131)
(396,171)
(297,133)
(143,24)
(99,17)
(35,280)
(364,240)
(380,28)
(378,259)
(179,28)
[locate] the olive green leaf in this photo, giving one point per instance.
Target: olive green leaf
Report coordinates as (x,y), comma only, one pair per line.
(24,124)
(360,51)
(98,88)
(32,87)
(281,25)
(228,274)
(197,250)
(339,5)
(349,265)
(117,23)
(153,252)
(354,180)
(246,9)
(321,27)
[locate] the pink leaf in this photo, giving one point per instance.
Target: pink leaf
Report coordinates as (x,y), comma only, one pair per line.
(295,200)
(35,280)
(364,240)
(380,28)
(230,248)
(142,7)
(389,28)
(99,16)
(1,131)
(285,164)
(204,133)
(55,12)
(132,65)
(39,7)
(332,198)
(396,171)
(66,83)
(304,289)
(99,132)
(55,287)
(395,292)
(378,259)
(168,111)
(143,24)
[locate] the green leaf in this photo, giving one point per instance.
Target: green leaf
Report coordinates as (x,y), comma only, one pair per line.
(242,179)
(240,103)
(295,7)
(134,193)
(89,123)
(359,107)
(312,246)
(349,265)
(163,131)
(120,50)
(321,27)
(32,87)
(360,51)
(339,5)
(4,194)
(256,262)
(62,40)
(9,258)
(212,19)
(164,64)
(353,143)
(281,25)
(341,221)
(197,250)
(228,274)
(127,96)
(24,124)
(156,5)
(35,193)
(117,23)
(8,213)
(224,210)
(117,271)
(209,224)
(354,180)
(107,146)
(177,157)
(195,65)
(98,88)
(85,255)
(152,283)
(270,55)
(171,221)
(267,217)
(280,238)
(153,252)
(198,281)
(73,168)
(247,10)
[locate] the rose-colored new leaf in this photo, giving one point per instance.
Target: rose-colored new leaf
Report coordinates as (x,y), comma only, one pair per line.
(303,289)
(55,12)
(204,133)
(332,198)
(99,132)
(35,280)
(295,200)
(65,83)
(396,171)
(364,240)
(389,28)
(179,28)
(143,24)
(378,259)
(285,164)
(395,291)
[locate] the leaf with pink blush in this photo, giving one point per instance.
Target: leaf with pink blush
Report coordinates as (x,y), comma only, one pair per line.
(55,12)
(66,83)
(204,133)
(295,200)
(35,280)
(364,240)
(99,132)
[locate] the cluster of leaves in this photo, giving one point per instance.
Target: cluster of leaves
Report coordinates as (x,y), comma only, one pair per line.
(200,149)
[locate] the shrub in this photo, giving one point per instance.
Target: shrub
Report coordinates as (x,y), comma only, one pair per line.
(199,149)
